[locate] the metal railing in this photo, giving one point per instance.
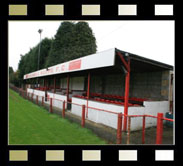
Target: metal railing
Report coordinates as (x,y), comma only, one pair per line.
(120,117)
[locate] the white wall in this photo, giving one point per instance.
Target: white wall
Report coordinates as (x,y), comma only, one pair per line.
(57,100)
(76,109)
(109,119)
(152,108)
(56,103)
(36,92)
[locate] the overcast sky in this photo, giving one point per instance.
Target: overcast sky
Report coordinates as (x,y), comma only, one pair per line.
(150,39)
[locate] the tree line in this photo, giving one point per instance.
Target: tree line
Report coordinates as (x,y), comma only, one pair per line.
(72,40)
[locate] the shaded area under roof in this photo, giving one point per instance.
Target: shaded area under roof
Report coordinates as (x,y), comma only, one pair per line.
(142,64)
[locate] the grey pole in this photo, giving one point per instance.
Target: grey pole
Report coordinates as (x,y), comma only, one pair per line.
(39,31)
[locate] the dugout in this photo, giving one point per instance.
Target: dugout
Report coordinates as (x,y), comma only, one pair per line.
(114,80)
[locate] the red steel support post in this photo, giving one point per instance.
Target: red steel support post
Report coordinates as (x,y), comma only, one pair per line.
(63,110)
(36,99)
(54,84)
(45,84)
(83,116)
(159,133)
(68,79)
(51,105)
(127,81)
(143,129)
(128,134)
(88,94)
(119,129)
(42,100)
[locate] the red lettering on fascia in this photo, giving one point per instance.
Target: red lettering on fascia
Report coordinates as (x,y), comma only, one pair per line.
(43,72)
(75,65)
(62,67)
(57,69)
(50,70)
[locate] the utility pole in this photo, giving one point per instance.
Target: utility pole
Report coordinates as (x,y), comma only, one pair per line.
(39,31)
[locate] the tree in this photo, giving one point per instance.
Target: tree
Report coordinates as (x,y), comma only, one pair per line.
(29,62)
(14,77)
(10,70)
(72,40)
(11,74)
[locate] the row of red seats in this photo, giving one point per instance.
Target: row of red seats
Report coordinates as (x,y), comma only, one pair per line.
(106,96)
(104,100)
(117,97)
(79,96)
(47,88)
(43,88)
(138,99)
(109,101)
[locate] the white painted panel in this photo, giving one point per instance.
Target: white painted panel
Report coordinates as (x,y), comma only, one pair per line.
(57,100)
(136,122)
(98,60)
(76,109)
(29,90)
(152,108)
(108,119)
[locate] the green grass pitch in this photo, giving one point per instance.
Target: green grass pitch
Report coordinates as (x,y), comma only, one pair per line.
(30,124)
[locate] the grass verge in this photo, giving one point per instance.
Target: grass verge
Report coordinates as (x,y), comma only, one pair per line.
(30,124)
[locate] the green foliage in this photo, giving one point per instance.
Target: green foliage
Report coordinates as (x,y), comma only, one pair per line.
(72,40)
(11,70)
(14,77)
(29,62)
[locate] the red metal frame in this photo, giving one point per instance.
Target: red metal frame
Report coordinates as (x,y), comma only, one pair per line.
(68,80)
(54,84)
(37,99)
(88,94)
(127,67)
(51,110)
(83,116)
(127,86)
(128,133)
(159,117)
(143,129)
(42,100)
(63,110)
(119,128)
(159,133)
